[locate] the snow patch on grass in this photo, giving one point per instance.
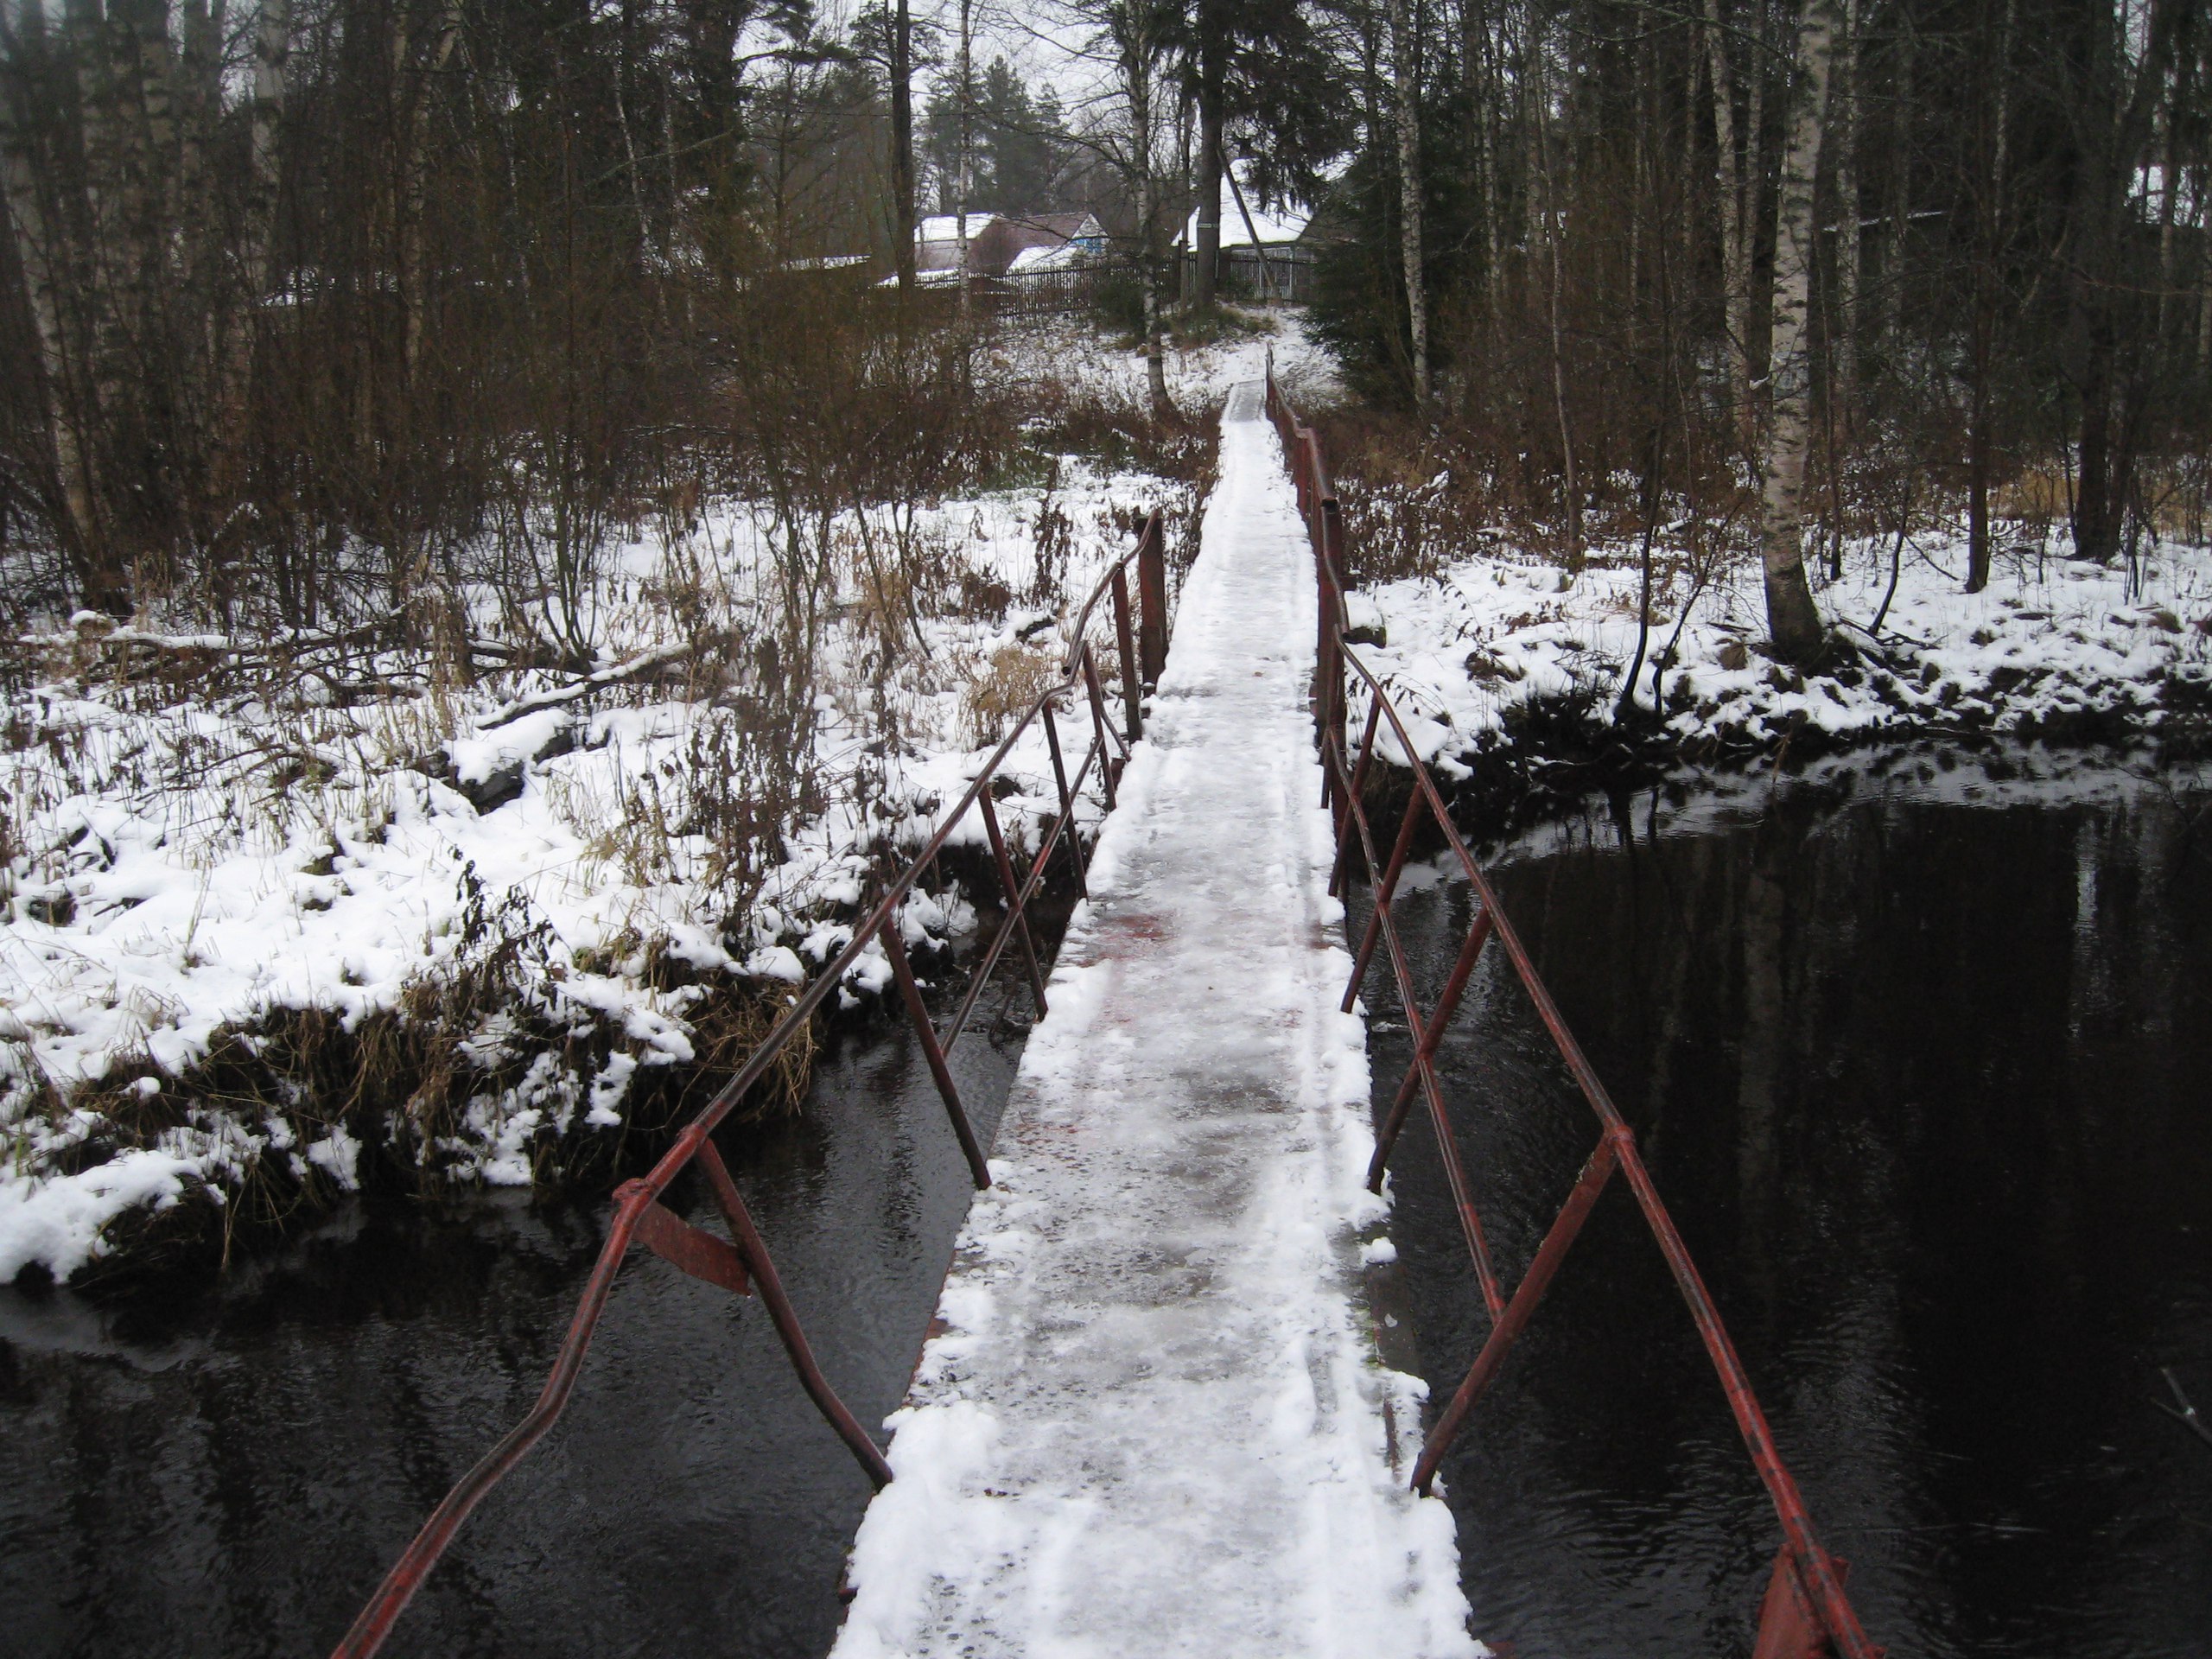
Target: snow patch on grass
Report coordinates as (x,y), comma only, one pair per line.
(549,887)
(2051,645)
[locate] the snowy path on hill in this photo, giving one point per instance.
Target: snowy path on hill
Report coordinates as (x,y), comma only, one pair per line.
(1154,1422)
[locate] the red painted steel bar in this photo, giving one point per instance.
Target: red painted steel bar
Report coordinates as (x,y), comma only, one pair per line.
(1067,803)
(925,1032)
(408,1572)
(785,1318)
(695,1250)
(1132,673)
(1385,891)
(1337,871)
(1507,1330)
(1013,898)
(1447,1145)
(1152,600)
(1815,1572)
(1098,723)
(981,976)
(638,1217)
(1447,1004)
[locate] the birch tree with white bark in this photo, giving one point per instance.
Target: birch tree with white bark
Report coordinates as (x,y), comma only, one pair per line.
(1794,624)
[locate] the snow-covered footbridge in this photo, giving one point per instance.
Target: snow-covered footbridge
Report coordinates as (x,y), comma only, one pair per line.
(1154,1420)
(1153,1417)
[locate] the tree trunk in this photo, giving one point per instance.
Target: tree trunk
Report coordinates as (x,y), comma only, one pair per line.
(1753,214)
(1137,56)
(1898,217)
(1479,72)
(1205,247)
(2204,278)
(2171,114)
(902,145)
(414,171)
(1570,483)
(2115,111)
(1996,109)
(79,524)
(1406,74)
(966,178)
(1843,313)
(1735,247)
(1793,623)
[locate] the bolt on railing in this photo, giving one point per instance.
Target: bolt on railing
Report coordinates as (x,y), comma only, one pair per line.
(1805,1611)
(742,1261)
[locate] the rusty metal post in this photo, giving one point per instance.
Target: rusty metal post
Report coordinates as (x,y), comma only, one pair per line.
(1107,770)
(1324,643)
(1425,1051)
(1067,804)
(1503,1335)
(918,1012)
(1015,906)
(1132,681)
(1455,1172)
(1332,548)
(1382,896)
(1152,595)
(754,1249)
(1350,801)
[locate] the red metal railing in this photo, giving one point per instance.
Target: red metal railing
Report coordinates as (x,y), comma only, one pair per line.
(1805,1611)
(741,1261)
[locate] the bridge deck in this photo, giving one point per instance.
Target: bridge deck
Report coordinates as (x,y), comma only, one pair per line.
(1154,1422)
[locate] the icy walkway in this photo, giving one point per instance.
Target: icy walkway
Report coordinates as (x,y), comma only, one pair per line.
(1154,1422)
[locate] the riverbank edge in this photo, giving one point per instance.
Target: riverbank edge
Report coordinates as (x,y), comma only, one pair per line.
(1553,756)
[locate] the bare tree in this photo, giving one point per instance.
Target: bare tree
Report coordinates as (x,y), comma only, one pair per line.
(901,69)
(1793,622)
(37,255)
(1405,66)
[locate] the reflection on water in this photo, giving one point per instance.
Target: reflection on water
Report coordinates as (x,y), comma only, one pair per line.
(234,1478)
(1926,1087)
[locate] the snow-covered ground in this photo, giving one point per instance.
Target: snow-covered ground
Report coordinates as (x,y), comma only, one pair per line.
(180,870)
(2052,645)
(1154,1421)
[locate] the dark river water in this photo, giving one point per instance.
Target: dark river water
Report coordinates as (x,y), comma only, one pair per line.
(1920,1064)
(233,1477)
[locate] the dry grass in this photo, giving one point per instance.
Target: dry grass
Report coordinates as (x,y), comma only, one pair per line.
(1001,693)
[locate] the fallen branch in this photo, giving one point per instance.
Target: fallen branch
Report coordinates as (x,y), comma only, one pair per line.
(660,656)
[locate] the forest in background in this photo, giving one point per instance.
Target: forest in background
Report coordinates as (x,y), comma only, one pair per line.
(305,305)
(1839,264)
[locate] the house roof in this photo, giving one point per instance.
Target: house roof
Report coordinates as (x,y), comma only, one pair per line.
(1283,223)
(1066,255)
(1065,226)
(945,227)
(997,241)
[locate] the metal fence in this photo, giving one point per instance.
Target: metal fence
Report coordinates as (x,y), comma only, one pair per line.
(1805,1611)
(740,1263)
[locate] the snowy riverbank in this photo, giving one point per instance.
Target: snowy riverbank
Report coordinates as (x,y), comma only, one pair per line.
(1503,663)
(267,933)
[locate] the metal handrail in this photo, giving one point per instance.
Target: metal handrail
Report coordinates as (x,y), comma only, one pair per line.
(743,1261)
(1805,1602)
